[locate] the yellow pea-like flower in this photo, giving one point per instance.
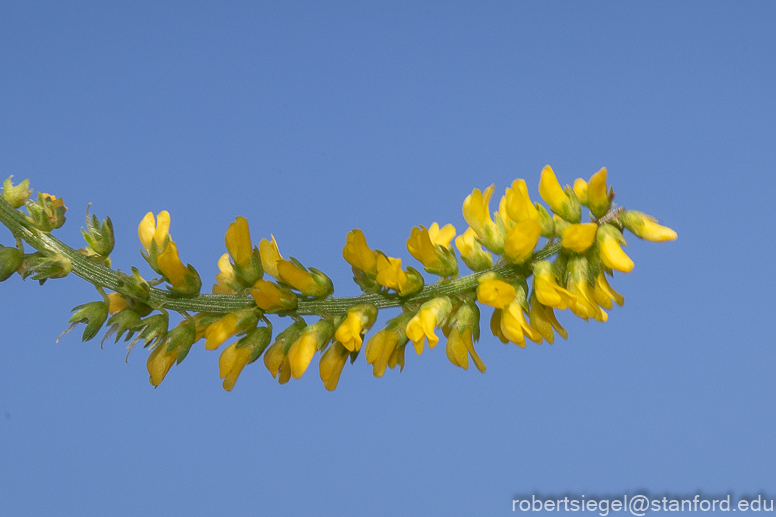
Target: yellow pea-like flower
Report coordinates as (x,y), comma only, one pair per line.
(172,268)
(276,361)
(269,297)
(238,242)
(547,290)
(116,303)
(542,319)
(612,255)
(578,237)
(521,240)
(598,198)
(309,283)
(562,202)
(495,326)
(431,247)
(313,338)
(471,252)
(331,364)
(514,327)
(391,275)
(476,211)
(584,305)
(226,277)
(358,254)
(494,291)
(460,345)
(159,363)
(603,294)
(231,364)
(154,231)
(357,321)
(580,190)
(379,349)
(518,203)
(234,322)
(421,327)
(270,255)
(646,227)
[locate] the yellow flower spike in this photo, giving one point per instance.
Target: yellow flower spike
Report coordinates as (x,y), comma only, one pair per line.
(609,240)
(358,254)
(183,279)
(494,292)
(358,321)
(270,255)
(228,326)
(159,363)
(238,242)
(547,290)
(476,211)
(269,297)
(226,277)
(431,315)
(521,240)
(646,227)
(578,237)
(231,364)
(515,328)
(518,203)
(580,190)
(391,275)
(562,202)
(331,364)
(313,338)
(472,253)
(598,199)
(116,303)
(603,292)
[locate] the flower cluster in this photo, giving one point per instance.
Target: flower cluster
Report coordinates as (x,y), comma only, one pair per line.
(528,261)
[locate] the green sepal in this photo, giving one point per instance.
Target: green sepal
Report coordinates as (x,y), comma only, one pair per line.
(98,236)
(258,340)
(93,314)
(17,195)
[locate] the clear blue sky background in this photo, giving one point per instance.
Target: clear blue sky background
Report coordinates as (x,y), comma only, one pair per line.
(313,119)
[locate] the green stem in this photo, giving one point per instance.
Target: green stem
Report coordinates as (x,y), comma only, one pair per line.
(102,276)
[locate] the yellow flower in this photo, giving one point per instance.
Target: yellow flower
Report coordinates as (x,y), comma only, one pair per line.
(584,306)
(159,363)
(313,338)
(471,252)
(542,319)
(238,242)
(276,361)
(603,294)
(358,254)
(609,240)
(432,314)
(117,303)
(431,248)
(309,283)
(226,277)
(547,289)
(459,346)
(391,275)
(397,358)
(514,327)
(578,237)
(270,256)
(521,240)
(271,298)
(598,198)
(379,349)
(494,292)
(184,279)
(518,203)
(151,231)
(646,227)
(331,364)
(580,190)
(358,320)
(476,211)
(228,326)
(495,326)
(231,364)
(563,203)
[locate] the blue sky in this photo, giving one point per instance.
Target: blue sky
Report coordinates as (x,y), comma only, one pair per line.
(310,120)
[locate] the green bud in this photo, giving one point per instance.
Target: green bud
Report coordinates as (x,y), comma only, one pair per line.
(135,284)
(18,195)
(98,236)
(93,314)
(257,339)
(11,260)
(47,213)
(42,267)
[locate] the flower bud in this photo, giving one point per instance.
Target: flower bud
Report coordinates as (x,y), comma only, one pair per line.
(272,298)
(609,241)
(476,211)
(98,236)
(598,199)
(11,260)
(562,201)
(472,253)
(646,227)
(47,213)
(310,283)
(246,257)
(17,195)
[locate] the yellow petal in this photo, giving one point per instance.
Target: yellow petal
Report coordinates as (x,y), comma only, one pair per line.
(578,237)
